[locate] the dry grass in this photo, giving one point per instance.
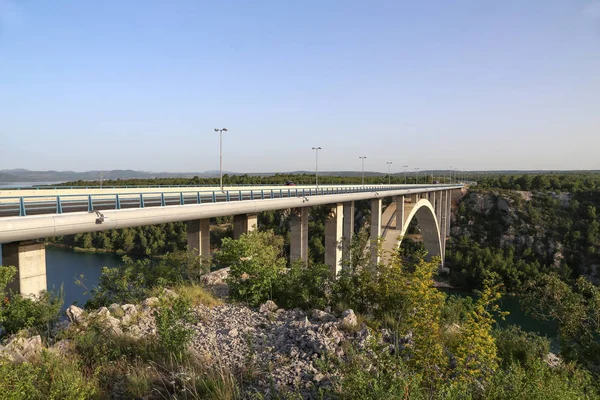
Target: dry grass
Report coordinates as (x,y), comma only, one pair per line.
(198,295)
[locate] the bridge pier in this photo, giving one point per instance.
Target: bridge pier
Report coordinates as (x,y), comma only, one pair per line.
(449,212)
(444,224)
(30,260)
(438,208)
(348,230)
(198,237)
(399,213)
(299,234)
(244,223)
(375,229)
(333,238)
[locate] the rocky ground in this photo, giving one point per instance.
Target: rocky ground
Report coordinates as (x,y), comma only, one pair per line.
(279,349)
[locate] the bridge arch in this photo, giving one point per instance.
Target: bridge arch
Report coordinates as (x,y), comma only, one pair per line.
(430,229)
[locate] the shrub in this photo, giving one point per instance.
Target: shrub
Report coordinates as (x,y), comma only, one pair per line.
(50,377)
(171,319)
(303,285)
(255,262)
(516,346)
(39,313)
(132,281)
(537,381)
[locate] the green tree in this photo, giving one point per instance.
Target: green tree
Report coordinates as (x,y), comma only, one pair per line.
(255,262)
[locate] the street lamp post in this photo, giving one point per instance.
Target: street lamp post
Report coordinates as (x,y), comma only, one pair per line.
(417,175)
(451,174)
(405,167)
(389,163)
(316,149)
(363,169)
(221,153)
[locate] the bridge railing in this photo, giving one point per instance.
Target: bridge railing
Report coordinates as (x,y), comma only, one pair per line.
(44,187)
(11,206)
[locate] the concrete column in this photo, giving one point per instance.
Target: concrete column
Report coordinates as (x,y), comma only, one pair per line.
(432,199)
(244,223)
(444,212)
(30,260)
(348,231)
(449,214)
(399,213)
(414,198)
(299,234)
(198,237)
(375,228)
(438,208)
(333,238)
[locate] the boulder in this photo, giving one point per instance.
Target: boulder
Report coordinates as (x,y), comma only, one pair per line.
(103,312)
(151,302)
(63,347)
(169,293)
(113,325)
(20,349)
(349,320)
(116,310)
(552,360)
(214,278)
(267,307)
(75,314)
(323,316)
(130,309)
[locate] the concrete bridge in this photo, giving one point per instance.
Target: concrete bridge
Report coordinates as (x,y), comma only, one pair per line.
(27,215)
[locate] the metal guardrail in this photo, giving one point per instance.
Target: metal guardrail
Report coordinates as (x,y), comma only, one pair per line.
(124,187)
(12,206)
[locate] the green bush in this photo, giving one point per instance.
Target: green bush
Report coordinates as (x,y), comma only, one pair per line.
(132,281)
(38,313)
(50,377)
(173,334)
(303,285)
(255,262)
(538,381)
(516,346)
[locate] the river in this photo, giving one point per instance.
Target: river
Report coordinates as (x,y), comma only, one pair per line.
(65,266)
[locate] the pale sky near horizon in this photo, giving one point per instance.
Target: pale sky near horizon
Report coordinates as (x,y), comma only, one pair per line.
(479,84)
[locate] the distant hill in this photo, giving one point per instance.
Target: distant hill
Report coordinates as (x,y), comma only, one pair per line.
(24,175)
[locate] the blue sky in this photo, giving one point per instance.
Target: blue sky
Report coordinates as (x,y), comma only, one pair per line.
(141,84)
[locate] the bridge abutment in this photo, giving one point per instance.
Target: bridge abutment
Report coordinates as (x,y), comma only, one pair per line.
(30,260)
(299,234)
(198,237)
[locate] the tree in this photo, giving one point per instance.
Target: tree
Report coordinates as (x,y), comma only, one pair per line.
(255,261)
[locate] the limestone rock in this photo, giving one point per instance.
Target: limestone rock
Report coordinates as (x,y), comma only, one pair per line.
(552,360)
(20,349)
(323,316)
(349,320)
(268,306)
(169,293)
(103,312)
(151,302)
(214,278)
(116,310)
(75,314)
(130,309)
